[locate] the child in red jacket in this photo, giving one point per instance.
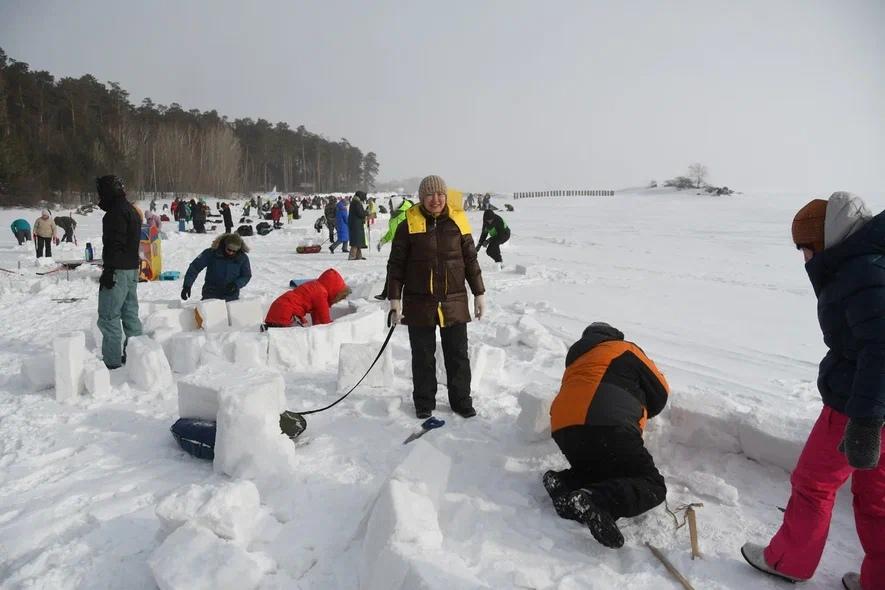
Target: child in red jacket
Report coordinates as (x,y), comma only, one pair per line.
(313,297)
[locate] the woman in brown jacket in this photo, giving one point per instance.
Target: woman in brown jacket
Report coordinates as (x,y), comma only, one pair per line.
(431,257)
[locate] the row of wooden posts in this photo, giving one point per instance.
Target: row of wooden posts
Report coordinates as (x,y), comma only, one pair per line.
(564,193)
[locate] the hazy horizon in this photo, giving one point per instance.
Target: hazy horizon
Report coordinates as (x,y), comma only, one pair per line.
(510,96)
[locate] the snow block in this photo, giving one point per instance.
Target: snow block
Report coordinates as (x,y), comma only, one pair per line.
(147,365)
(250,350)
(193,558)
(534,335)
(35,371)
(70,355)
(97,379)
(506,335)
(177,320)
(181,506)
(402,547)
(290,348)
(232,511)
(245,313)
(184,351)
(533,422)
(213,313)
(248,440)
(486,364)
(198,391)
(354,359)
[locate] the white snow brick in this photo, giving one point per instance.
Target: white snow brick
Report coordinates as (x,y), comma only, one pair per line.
(426,467)
(198,391)
(248,440)
(250,350)
(354,359)
(289,348)
(148,368)
(245,313)
(36,373)
(506,335)
(193,558)
(533,422)
(181,506)
(486,364)
(177,320)
(184,351)
(97,379)
(70,355)
(214,314)
(232,511)
(534,335)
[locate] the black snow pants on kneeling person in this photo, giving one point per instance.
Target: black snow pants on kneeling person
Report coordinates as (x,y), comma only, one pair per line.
(613,463)
(454,345)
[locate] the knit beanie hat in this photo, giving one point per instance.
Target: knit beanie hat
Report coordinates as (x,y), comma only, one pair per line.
(808,225)
(45,212)
(431,184)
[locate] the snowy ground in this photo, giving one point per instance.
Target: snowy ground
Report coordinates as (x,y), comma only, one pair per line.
(711,288)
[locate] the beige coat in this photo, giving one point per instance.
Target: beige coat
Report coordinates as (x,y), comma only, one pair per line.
(45,228)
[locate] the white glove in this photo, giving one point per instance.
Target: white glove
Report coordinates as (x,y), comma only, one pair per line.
(396,312)
(479,306)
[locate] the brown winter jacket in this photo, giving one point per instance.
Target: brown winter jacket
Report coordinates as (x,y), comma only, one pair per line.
(45,228)
(430,260)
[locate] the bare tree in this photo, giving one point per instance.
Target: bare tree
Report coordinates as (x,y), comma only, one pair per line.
(698,172)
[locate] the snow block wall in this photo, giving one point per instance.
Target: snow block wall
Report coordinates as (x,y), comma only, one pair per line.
(245,313)
(317,347)
(248,440)
(250,350)
(184,351)
(198,391)
(213,313)
(403,544)
(533,423)
(70,356)
(354,359)
(147,365)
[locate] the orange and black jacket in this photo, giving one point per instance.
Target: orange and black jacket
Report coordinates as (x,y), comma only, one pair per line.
(607,382)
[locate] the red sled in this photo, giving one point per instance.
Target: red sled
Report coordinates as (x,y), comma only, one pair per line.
(308,249)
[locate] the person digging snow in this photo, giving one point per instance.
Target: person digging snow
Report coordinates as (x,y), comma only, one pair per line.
(21,229)
(227,269)
(609,390)
(431,258)
(842,244)
(118,285)
(315,298)
(494,233)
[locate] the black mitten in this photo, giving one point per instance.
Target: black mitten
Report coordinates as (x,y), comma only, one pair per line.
(107,280)
(862,442)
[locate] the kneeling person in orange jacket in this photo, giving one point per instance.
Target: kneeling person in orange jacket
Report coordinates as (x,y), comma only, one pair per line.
(313,297)
(608,391)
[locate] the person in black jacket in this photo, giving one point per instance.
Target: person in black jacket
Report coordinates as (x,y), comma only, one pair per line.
(228,220)
(329,211)
(356,226)
(494,233)
(844,249)
(198,216)
(117,293)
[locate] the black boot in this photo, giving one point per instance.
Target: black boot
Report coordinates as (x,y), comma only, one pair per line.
(601,524)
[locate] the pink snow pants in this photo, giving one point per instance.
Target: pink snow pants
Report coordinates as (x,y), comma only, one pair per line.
(797,547)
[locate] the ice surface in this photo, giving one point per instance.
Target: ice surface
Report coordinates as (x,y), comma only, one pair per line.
(193,558)
(213,313)
(147,365)
(245,313)
(353,361)
(70,355)
(36,371)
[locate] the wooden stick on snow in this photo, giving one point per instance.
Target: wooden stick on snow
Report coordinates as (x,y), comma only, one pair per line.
(670,568)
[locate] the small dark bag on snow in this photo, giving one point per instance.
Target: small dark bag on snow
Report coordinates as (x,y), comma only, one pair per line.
(245,230)
(195,437)
(263,228)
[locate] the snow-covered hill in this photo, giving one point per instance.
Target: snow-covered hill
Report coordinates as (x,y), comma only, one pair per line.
(711,288)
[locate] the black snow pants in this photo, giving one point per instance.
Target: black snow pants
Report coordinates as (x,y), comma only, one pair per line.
(613,463)
(44,247)
(493,248)
(454,345)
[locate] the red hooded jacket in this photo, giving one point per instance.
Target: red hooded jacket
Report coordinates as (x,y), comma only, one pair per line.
(313,297)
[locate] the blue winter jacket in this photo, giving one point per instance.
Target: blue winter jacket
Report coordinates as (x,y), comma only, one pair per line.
(20,225)
(220,272)
(849,281)
(341,221)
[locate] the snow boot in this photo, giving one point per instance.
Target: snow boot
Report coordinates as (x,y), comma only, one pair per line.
(559,495)
(467,412)
(851,581)
(601,524)
(754,554)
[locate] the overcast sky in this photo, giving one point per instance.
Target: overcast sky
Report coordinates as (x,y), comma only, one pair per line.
(510,95)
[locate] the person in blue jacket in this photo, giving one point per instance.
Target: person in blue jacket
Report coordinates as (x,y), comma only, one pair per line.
(341,225)
(227,269)
(21,229)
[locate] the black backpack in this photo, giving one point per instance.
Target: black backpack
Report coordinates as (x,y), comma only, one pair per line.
(263,228)
(245,230)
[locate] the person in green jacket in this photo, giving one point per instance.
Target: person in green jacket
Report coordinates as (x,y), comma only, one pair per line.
(21,229)
(395,220)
